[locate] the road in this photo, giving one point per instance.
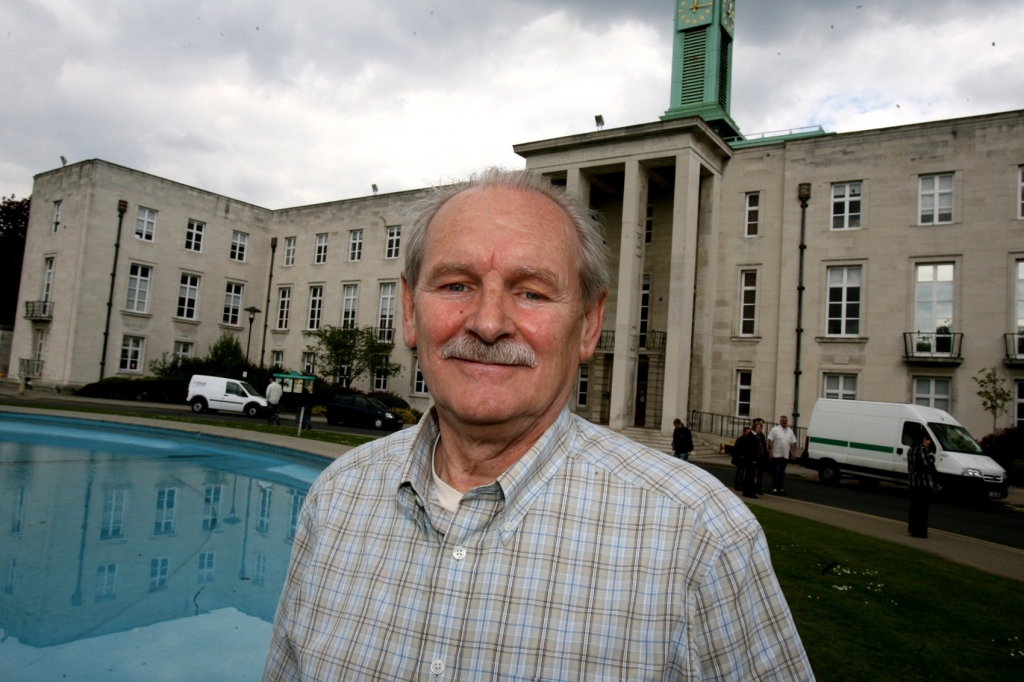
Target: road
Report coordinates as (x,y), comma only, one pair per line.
(992,522)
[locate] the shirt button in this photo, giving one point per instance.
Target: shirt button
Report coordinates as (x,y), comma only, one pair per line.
(459,553)
(437,667)
(507,526)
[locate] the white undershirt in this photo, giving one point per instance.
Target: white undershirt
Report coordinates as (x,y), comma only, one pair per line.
(447,496)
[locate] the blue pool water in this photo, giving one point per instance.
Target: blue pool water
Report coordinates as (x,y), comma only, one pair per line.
(131,553)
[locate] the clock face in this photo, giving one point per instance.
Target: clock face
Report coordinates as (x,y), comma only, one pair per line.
(729,15)
(694,13)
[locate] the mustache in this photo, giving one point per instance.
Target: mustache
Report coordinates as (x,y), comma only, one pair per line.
(501,352)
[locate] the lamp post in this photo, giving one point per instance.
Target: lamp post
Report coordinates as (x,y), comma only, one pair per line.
(252,310)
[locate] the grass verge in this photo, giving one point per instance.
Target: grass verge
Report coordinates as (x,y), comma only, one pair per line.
(882,611)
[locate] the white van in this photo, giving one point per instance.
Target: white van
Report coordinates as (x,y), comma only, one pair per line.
(871,440)
(218,393)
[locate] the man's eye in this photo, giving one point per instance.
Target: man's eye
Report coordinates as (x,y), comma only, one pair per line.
(457,288)
(533,296)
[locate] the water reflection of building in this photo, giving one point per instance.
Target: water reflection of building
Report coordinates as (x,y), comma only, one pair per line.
(104,540)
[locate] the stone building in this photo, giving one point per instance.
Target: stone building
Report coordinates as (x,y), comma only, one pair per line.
(750,275)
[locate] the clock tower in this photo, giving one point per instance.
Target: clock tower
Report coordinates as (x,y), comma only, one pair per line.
(702,63)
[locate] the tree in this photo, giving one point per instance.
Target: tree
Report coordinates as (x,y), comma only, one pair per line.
(350,354)
(993,392)
(13,228)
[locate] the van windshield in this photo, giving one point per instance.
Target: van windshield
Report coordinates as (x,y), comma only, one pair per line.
(955,438)
(249,389)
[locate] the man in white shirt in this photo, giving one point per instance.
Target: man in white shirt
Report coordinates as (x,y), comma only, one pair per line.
(782,446)
(274,392)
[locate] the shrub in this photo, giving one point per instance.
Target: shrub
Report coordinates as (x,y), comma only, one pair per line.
(407,415)
(1006,447)
(145,389)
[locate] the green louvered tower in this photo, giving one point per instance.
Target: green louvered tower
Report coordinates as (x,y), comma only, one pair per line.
(702,63)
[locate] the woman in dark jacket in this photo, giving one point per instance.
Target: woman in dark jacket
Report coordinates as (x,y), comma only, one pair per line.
(920,467)
(748,449)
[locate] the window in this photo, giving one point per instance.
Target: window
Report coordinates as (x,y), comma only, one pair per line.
(936,199)
(297,498)
(753,204)
(582,385)
(748,305)
(158,570)
(259,573)
(56,214)
(232,303)
(1020,192)
(348,306)
(355,245)
(205,574)
(419,384)
(12,571)
(138,287)
(840,386)
(843,301)
(40,344)
(277,358)
(19,512)
(211,508)
(112,522)
(131,354)
(743,384)
(380,380)
(165,500)
(106,581)
(1020,405)
(846,200)
(188,293)
(284,305)
(289,251)
(145,224)
(1020,308)
(649,224)
(394,239)
(320,256)
(184,349)
(239,240)
(47,279)
(386,328)
(645,307)
(932,393)
(308,363)
(933,308)
(345,376)
(263,522)
(316,306)
(194,236)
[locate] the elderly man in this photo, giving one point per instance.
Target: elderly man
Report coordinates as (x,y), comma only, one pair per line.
(503,537)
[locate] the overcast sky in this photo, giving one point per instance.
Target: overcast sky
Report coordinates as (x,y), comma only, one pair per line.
(288,103)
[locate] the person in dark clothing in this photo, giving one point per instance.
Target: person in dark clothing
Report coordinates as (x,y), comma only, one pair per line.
(737,461)
(764,460)
(748,447)
(682,441)
(920,467)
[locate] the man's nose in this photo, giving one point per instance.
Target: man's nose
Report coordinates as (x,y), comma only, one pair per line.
(490,320)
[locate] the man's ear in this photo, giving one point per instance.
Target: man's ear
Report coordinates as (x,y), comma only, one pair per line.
(408,313)
(593,318)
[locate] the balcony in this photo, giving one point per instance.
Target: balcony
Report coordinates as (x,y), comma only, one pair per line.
(1014,350)
(933,349)
(653,342)
(39,311)
(607,341)
(29,367)
(386,334)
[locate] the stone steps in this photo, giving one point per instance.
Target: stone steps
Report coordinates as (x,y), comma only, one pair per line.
(653,438)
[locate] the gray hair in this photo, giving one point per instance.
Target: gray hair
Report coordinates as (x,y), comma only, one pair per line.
(592,253)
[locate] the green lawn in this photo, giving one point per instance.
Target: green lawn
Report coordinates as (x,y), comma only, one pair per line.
(888,612)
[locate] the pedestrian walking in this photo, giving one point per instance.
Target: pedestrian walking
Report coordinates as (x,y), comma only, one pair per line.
(273,395)
(737,460)
(920,471)
(782,446)
(682,441)
(749,449)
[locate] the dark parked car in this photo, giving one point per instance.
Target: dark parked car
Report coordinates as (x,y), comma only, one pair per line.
(357,410)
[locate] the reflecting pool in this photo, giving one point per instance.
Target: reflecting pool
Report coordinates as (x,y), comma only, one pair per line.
(131,553)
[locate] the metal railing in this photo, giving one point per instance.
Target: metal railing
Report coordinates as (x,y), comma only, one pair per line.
(386,334)
(30,367)
(932,345)
(653,341)
(1014,346)
(39,310)
(732,427)
(607,341)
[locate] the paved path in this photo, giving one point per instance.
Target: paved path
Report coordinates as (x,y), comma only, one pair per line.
(986,556)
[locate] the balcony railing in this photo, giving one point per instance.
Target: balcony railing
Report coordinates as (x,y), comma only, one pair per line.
(653,341)
(386,334)
(607,341)
(732,427)
(39,310)
(29,367)
(1014,350)
(932,348)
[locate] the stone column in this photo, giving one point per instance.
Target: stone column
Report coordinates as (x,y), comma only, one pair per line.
(578,183)
(627,304)
(682,280)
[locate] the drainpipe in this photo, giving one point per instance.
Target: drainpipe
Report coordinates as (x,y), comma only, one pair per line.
(266,315)
(804,194)
(122,208)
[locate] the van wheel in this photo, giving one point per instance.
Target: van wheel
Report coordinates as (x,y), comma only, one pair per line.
(251,410)
(829,473)
(378,423)
(198,405)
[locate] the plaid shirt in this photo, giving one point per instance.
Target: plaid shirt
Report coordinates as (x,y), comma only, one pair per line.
(591,558)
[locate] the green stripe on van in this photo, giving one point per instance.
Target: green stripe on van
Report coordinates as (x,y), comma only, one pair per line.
(873,448)
(829,441)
